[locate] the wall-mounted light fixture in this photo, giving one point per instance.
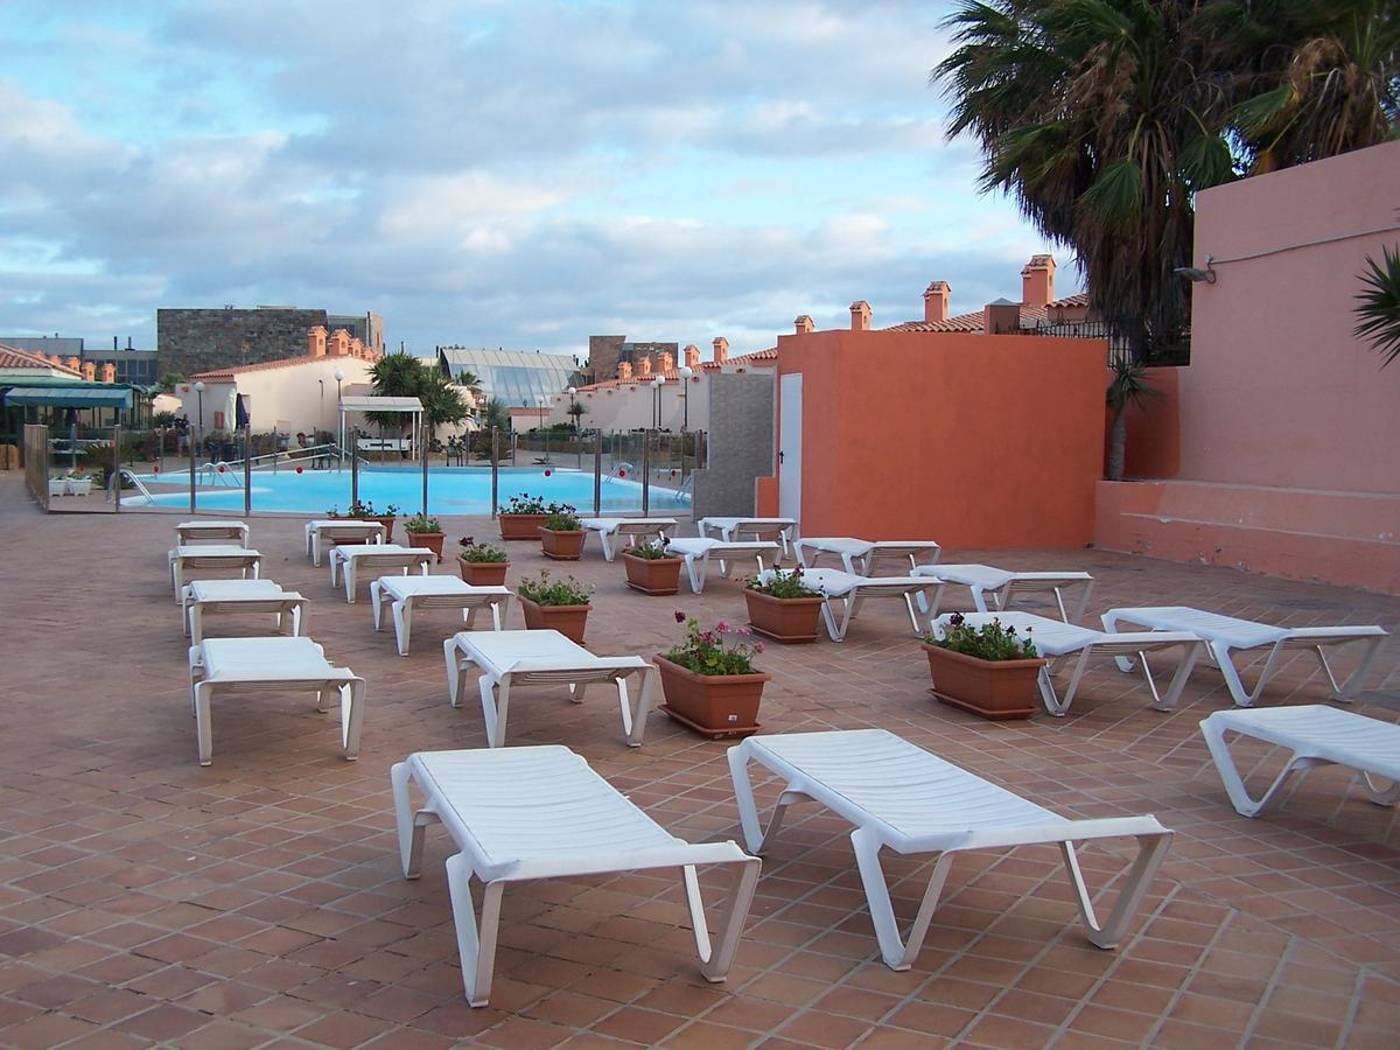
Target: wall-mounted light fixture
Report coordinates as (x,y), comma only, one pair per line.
(1195,274)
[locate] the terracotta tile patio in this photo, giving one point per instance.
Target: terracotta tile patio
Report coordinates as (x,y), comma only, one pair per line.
(146,901)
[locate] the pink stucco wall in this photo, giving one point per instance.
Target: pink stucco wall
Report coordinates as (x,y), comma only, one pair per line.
(1279,392)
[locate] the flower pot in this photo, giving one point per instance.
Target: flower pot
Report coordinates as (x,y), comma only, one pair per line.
(716,706)
(568,620)
(388,523)
(653,575)
(521,526)
(431,540)
(784,619)
(483,573)
(995,689)
(562,546)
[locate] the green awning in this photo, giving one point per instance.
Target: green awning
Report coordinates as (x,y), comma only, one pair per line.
(69,397)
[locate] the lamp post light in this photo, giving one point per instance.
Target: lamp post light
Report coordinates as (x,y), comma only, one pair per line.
(656,385)
(573,414)
(340,418)
(685,373)
(199,390)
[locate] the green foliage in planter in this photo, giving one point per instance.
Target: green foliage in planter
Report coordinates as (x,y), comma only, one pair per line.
(543,591)
(562,519)
(648,552)
(421,523)
(364,510)
(522,504)
(992,641)
(706,652)
(480,552)
(780,584)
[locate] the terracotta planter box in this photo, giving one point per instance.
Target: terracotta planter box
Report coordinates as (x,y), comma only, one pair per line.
(483,573)
(716,706)
(995,689)
(431,540)
(388,524)
(521,526)
(568,620)
(653,575)
(562,546)
(784,619)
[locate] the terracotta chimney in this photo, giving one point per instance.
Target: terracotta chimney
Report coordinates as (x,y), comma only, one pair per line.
(804,325)
(668,363)
(624,370)
(1038,281)
(936,301)
(1000,317)
(74,364)
(357,348)
(109,373)
(692,357)
(721,350)
(340,343)
(860,316)
(90,371)
(645,364)
(316,341)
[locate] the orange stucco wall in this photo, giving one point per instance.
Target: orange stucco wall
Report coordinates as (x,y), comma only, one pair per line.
(971,440)
(1154,430)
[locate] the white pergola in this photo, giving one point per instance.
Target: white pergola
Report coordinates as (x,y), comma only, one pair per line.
(374,403)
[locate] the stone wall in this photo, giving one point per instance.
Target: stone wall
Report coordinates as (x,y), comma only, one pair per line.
(740,444)
(606,352)
(197,340)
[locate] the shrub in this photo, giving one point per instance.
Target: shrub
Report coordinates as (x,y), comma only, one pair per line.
(780,584)
(562,519)
(648,551)
(705,651)
(522,504)
(992,641)
(543,591)
(421,523)
(473,551)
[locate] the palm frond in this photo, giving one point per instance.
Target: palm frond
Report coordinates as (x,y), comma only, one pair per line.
(1378,305)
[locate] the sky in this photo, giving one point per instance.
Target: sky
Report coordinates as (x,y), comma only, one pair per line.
(517,173)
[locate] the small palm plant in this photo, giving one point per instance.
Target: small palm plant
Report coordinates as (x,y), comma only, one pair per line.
(1378,306)
(1129,387)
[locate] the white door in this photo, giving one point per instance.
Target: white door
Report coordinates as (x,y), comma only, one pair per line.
(790,446)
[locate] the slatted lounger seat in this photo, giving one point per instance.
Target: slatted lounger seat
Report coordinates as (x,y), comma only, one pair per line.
(221,667)
(903,798)
(325,531)
(508,659)
(1318,736)
(211,558)
(1057,640)
(698,552)
(1003,585)
(407,593)
(779,529)
(860,557)
(373,559)
(1225,634)
(851,591)
(610,530)
(541,813)
(199,598)
(188,532)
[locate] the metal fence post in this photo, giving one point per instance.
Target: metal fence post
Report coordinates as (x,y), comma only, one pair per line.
(116,469)
(355,475)
(646,473)
(425,469)
(192,474)
(495,468)
(247,470)
(597,472)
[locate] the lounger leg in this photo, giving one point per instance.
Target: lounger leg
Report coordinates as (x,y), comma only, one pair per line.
(296,620)
(715,963)
(333,560)
(913,617)
(1152,850)
(477,951)
(1242,696)
(352,717)
(1347,691)
(979,598)
(1082,604)
(348,572)
(829,618)
(1230,774)
(930,606)
(456,674)
(495,703)
(897,953)
(196,624)
(738,758)
(376,598)
(403,624)
(634,722)
(498,609)
(1379,795)
(410,829)
(695,569)
(608,553)
(1053,704)
(203,693)
(1179,679)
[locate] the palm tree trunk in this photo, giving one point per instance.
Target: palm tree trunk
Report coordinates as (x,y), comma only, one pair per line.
(1117,445)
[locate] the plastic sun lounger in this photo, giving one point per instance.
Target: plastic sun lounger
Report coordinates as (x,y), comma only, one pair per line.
(610,530)
(541,813)
(509,659)
(1003,585)
(1056,640)
(218,557)
(1318,736)
(1226,633)
(407,593)
(199,598)
(852,591)
(229,666)
(699,551)
(376,557)
(760,528)
(188,532)
(325,531)
(903,798)
(859,557)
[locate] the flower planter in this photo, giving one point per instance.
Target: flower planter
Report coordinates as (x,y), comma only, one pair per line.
(521,526)
(562,546)
(784,619)
(431,540)
(995,689)
(568,620)
(388,523)
(653,575)
(715,706)
(483,573)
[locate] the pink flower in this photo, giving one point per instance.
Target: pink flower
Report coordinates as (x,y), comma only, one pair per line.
(722,626)
(758,647)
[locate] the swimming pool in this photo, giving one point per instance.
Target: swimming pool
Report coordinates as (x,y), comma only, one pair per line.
(451,490)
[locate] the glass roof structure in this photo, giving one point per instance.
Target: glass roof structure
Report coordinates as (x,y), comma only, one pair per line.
(518,377)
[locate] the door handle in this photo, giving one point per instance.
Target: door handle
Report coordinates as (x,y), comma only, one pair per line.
(781,455)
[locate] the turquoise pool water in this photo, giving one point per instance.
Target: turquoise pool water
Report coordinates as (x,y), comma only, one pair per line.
(451,490)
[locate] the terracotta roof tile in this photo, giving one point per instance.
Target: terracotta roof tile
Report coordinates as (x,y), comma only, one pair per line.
(13,357)
(227,374)
(972,322)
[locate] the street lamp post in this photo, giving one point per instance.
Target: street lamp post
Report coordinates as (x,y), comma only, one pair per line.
(573,414)
(340,419)
(685,374)
(656,385)
(199,390)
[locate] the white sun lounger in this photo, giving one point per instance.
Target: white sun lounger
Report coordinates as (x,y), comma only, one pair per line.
(541,813)
(905,799)
(852,591)
(1056,640)
(508,659)
(1318,736)
(610,530)
(699,551)
(221,667)
(407,593)
(188,532)
(859,557)
(1003,585)
(1226,634)
(728,529)
(199,598)
(375,558)
(215,557)
(325,531)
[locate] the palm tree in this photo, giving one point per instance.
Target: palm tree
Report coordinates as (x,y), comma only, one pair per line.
(395,375)
(578,411)
(1129,388)
(1378,306)
(442,401)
